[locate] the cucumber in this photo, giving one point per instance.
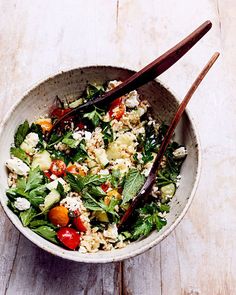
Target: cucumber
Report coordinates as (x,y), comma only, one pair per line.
(101,157)
(168,191)
(43,160)
(76,103)
(52,198)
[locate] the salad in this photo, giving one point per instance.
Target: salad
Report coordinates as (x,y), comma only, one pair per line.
(73,187)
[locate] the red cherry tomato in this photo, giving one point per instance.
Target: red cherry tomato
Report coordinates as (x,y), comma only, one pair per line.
(69,237)
(78,223)
(117,109)
(58,167)
(59,112)
(104,187)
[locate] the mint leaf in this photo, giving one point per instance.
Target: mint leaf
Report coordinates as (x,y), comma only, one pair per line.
(20,154)
(34,180)
(133,183)
(46,232)
(21,133)
(76,183)
(40,222)
(27,215)
(142,228)
(81,153)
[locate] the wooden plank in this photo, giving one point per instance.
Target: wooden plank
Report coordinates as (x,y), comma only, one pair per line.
(37,272)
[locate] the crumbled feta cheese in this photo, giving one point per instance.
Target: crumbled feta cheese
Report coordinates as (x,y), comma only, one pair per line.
(22,204)
(17,166)
(87,135)
(30,142)
(113,84)
(132,99)
(111,233)
(73,202)
(101,156)
(78,135)
(180,153)
(103,172)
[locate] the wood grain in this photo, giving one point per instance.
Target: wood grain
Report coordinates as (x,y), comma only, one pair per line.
(40,38)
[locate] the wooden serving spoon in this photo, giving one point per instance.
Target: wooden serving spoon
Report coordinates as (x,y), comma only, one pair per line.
(147,187)
(148,73)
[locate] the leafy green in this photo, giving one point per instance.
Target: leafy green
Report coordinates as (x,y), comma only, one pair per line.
(96,191)
(93,91)
(78,183)
(39,222)
(107,133)
(27,215)
(20,154)
(34,180)
(70,141)
(148,220)
(115,178)
(61,190)
(92,204)
(21,133)
(46,232)
(95,116)
(133,183)
(37,195)
(81,153)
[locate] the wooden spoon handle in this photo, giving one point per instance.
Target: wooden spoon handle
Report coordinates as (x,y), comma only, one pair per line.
(147,187)
(148,73)
(158,66)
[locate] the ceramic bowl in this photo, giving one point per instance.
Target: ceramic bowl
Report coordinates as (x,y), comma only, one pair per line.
(163,104)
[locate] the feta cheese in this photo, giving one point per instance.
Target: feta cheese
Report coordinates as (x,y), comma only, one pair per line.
(17,166)
(111,233)
(104,172)
(180,153)
(132,100)
(87,135)
(22,204)
(78,135)
(30,142)
(113,84)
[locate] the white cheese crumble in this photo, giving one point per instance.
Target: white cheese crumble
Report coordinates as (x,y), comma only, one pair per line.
(78,135)
(21,204)
(111,233)
(132,99)
(30,142)
(180,153)
(53,185)
(17,166)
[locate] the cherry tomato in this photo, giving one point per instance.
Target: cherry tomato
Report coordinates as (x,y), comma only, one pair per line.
(69,237)
(104,187)
(59,112)
(78,223)
(117,109)
(58,167)
(74,169)
(59,216)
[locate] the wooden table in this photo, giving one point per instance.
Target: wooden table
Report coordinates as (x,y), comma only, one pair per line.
(39,38)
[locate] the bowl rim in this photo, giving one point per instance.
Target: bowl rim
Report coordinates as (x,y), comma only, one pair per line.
(118,257)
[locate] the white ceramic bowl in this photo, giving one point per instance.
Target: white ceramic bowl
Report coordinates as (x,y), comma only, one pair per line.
(164,104)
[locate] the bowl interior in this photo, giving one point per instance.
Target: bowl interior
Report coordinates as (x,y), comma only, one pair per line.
(163,105)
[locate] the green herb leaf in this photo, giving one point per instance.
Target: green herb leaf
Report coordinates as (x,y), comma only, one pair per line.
(81,153)
(92,204)
(27,215)
(40,222)
(21,133)
(76,183)
(142,228)
(61,190)
(94,117)
(96,191)
(133,183)
(34,180)
(20,154)
(107,133)
(46,232)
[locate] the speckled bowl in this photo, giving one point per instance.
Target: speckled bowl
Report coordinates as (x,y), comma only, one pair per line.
(37,101)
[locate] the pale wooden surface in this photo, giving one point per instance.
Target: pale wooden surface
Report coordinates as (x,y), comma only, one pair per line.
(39,38)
